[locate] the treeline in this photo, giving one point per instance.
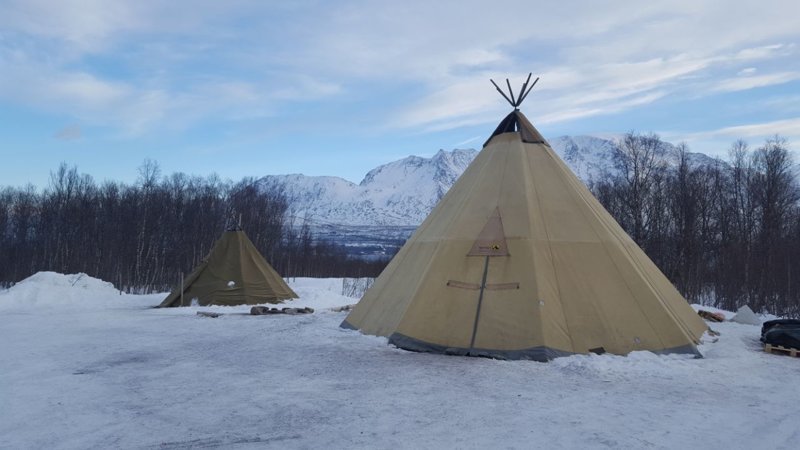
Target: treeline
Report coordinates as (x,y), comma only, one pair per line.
(142,236)
(726,233)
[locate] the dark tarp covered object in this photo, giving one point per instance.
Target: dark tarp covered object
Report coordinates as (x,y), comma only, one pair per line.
(783,332)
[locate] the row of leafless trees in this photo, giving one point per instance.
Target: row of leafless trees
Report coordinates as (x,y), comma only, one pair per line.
(725,232)
(142,236)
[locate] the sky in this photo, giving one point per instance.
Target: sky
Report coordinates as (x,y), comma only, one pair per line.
(249,88)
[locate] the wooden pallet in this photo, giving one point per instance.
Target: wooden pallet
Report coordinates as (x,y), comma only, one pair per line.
(769,348)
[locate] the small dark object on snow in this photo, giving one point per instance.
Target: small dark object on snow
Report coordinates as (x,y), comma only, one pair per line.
(781,332)
(342,308)
(264,310)
(711,316)
(208,314)
(297,310)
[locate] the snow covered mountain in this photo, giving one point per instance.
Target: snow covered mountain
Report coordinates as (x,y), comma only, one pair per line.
(591,158)
(402,193)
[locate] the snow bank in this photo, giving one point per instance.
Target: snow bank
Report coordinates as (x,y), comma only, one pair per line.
(51,290)
(55,290)
(319,293)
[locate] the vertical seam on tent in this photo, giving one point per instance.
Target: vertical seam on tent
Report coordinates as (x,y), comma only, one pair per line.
(506,156)
(480,300)
(605,248)
(552,262)
(486,263)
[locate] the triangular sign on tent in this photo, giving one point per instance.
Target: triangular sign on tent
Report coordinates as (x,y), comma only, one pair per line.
(558,275)
(492,239)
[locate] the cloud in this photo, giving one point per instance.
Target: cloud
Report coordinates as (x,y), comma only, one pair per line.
(467,141)
(142,66)
(569,92)
(600,69)
(618,105)
(135,108)
(306,88)
(717,141)
(751,82)
(63,33)
(68,133)
(763,52)
(461,99)
(785,127)
(785,103)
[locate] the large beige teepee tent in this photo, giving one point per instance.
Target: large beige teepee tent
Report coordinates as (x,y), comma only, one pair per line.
(520,261)
(233,273)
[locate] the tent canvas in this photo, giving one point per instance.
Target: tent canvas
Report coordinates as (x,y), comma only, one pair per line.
(233,273)
(520,261)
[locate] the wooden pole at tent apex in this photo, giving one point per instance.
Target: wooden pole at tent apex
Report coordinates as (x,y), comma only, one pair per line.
(523,92)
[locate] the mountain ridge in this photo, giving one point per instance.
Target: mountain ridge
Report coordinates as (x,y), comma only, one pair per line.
(403,192)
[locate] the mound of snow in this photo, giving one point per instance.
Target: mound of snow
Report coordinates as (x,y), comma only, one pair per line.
(319,293)
(51,289)
(55,291)
(746,316)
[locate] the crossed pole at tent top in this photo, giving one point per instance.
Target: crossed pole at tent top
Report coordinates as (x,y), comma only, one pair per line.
(523,92)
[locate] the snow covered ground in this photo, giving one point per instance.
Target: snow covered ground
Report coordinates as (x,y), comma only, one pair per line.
(84,367)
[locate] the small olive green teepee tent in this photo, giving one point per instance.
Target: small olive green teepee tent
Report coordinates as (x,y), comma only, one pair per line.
(233,273)
(520,261)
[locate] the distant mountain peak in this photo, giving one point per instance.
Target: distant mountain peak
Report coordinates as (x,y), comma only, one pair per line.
(403,192)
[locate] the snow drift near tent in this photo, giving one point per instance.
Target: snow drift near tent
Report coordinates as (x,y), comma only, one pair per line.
(234,273)
(520,261)
(56,291)
(746,316)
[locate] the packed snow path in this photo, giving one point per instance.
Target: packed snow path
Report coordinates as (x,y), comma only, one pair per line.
(113,373)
